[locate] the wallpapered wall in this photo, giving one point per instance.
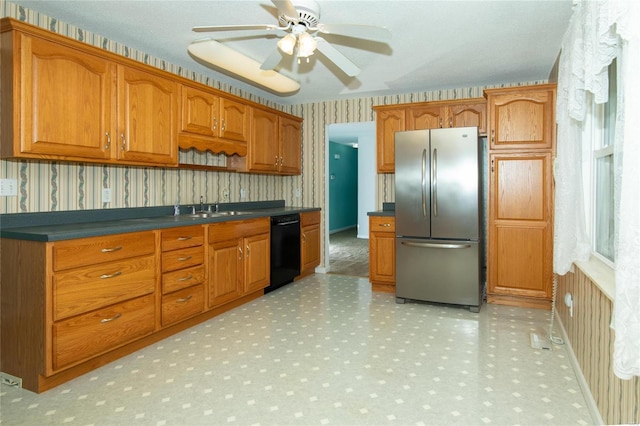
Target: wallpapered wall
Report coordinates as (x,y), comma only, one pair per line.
(592,339)
(52,186)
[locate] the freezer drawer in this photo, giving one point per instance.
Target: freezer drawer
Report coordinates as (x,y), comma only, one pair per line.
(438,271)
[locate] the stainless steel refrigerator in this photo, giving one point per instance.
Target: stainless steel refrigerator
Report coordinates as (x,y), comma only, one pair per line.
(438,202)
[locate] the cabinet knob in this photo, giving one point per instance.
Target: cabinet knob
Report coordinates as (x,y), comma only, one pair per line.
(224,125)
(215,123)
(124,142)
(493,135)
(276,161)
(240,250)
(108,145)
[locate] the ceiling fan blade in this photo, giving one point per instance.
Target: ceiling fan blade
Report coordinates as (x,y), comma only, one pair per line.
(368,32)
(272,60)
(285,7)
(204,29)
(336,57)
(221,56)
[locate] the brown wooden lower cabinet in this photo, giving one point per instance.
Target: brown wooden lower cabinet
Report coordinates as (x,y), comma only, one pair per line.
(382,249)
(520,241)
(309,243)
(71,306)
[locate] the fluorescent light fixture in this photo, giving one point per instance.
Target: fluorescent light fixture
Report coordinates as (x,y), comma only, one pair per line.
(287,43)
(226,58)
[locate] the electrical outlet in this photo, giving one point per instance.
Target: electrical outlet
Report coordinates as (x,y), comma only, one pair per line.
(243,193)
(106,195)
(9,380)
(297,192)
(225,194)
(8,187)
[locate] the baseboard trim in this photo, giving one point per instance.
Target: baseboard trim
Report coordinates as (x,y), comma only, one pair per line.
(582,381)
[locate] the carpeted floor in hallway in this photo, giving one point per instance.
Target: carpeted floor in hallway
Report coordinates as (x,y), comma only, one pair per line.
(348,255)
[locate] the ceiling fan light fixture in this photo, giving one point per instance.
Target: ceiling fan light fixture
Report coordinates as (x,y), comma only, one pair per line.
(306,45)
(287,44)
(235,62)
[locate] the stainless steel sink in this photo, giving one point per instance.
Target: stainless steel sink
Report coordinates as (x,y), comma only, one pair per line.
(205,215)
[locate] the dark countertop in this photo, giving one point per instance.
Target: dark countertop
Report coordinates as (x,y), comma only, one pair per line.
(388,209)
(57,226)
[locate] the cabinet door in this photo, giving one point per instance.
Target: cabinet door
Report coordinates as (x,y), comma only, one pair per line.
(310,247)
(520,231)
(235,120)
(148,117)
(225,271)
(382,248)
(388,122)
(263,150)
(290,137)
(469,115)
(200,112)
(522,120)
(257,262)
(426,117)
(65,102)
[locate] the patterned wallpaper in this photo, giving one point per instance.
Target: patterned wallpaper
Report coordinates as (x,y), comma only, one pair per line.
(591,339)
(53,186)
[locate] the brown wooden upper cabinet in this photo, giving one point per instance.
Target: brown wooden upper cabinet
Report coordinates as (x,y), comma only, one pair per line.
(425,115)
(522,118)
(213,123)
(64,103)
(274,146)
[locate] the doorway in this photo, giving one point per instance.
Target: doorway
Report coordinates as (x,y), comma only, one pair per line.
(350,182)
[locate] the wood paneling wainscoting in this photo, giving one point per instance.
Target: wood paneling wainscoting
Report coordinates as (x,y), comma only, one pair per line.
(591,339)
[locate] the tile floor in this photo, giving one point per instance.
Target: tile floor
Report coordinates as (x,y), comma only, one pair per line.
(326,350)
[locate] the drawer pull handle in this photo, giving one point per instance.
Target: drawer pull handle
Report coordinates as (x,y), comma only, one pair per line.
(115,274)
(187,278)
(386,225)
(111,250)
(185,299)
(182,259)
(184,238)
(113,318)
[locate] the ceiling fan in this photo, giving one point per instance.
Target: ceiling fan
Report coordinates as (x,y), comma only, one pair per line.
(299,24)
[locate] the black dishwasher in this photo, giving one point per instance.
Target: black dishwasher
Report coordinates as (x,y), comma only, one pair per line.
(285,250)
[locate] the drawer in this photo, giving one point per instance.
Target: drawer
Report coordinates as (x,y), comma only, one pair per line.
(184,258)
(382,223)
(86,289)
(176,238)
(176,280)
(309,218)
(94,250)
(182,304)
(85,336)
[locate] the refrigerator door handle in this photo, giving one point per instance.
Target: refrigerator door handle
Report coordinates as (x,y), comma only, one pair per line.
(434,181)
(432,245)
(424,183)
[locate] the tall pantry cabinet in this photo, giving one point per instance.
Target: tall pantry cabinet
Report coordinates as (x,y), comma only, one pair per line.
(521,150)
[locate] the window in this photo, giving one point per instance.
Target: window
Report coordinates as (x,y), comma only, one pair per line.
(603,224)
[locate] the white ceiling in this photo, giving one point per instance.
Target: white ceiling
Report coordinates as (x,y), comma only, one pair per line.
(435,44)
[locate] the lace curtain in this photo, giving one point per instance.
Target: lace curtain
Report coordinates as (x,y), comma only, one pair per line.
(600,31)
